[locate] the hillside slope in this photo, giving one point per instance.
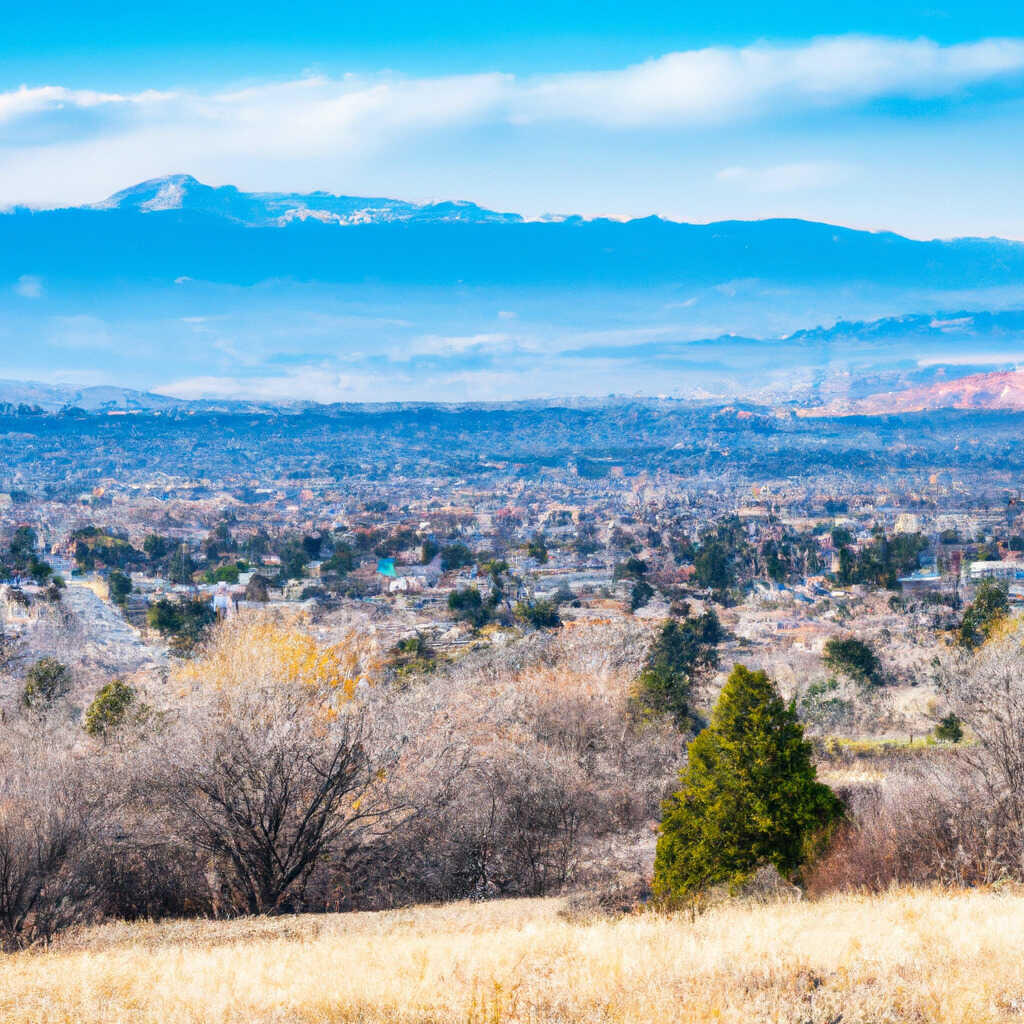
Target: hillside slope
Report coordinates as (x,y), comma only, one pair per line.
(1002,390)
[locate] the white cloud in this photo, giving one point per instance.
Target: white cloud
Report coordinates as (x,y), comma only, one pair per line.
(23,101)
(80,332)
(29,286)
(432,344)
(308,383)
(795,177)
(112,138)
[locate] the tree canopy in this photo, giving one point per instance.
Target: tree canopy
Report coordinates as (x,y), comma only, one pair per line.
(991,604)
(852,657)
(682,650)
(749,796)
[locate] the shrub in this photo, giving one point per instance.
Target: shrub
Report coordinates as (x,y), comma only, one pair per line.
(468,606)
(413,656)
(47,811)
(950,729)
(119,586)
(109,708)
(47,681)
(990,605)
(852,657)
(749,795)
(539,614)
(930,824)
(266,780)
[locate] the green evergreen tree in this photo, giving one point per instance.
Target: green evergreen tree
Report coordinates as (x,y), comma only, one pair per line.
(950,729)
(990,605)
(852,657)
(45,683)
(120,586)
(680,653)
(749,795)
(109,708)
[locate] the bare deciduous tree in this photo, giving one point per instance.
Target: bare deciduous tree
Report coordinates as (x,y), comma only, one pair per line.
(986,691)
(48,808)
(266,781)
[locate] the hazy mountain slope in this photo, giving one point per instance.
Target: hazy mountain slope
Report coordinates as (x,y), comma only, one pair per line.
(276,209)
(174,228)
(1003,390)
(50,397)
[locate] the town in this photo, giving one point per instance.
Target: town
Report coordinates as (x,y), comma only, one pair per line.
(441,530)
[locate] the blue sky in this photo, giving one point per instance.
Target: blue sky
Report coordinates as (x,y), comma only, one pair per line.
(894,115)
(143,45)
(885,114)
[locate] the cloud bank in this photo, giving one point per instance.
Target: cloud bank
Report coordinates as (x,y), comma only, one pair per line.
(110,138)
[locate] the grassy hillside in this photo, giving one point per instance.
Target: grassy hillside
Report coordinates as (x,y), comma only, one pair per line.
(923,956)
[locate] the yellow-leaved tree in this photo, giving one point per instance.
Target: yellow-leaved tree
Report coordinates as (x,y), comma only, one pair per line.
(261,649)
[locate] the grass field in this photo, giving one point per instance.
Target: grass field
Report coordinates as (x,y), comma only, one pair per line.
(918,956)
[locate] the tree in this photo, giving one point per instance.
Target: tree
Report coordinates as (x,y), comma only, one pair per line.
(538,549)
(539,614)
(293,557)
(23,545)
(950,729)
(225,573)
(991,604)
(266,784)
(749,796)
(641,593)
(109,708)
(455,556)
(632,568)
(341,561)
(468,606)
(181,566)
(184,623)
(21,556)
(680,653)
(852,657)
(258,588)
(39,571)
(120,586)
(47,681)
(711,567)
(155,546)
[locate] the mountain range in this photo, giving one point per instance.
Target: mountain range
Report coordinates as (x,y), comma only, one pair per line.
(175,227)
(998,391)
(175,287)
(279,209)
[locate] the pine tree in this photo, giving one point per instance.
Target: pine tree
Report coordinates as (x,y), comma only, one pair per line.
(680,652)
(749,795)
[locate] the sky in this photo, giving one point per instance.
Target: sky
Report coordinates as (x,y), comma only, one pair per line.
(901,115)
(897,115)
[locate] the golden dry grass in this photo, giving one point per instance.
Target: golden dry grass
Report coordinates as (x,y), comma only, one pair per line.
(907,956)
